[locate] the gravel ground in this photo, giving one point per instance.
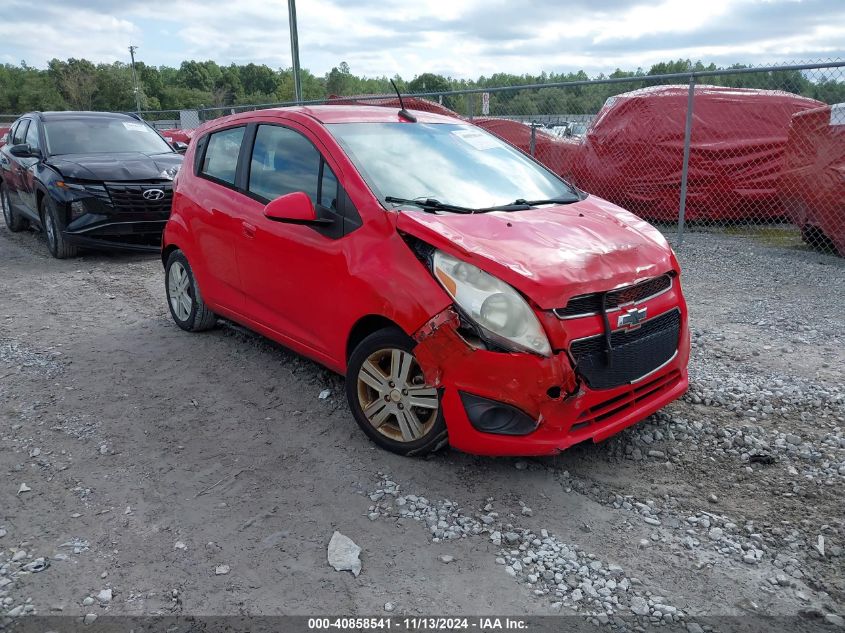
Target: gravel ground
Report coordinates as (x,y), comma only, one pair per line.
(149,471)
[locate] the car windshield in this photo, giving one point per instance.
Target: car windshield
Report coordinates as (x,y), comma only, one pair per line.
(456,164)
(102,135)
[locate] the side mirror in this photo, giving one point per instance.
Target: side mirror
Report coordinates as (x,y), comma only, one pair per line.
(180,147)
(294,208)
(24,151)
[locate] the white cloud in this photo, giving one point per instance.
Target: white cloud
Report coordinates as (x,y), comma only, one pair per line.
(463,38)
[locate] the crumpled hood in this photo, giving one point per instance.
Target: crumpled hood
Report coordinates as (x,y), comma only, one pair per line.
(551,253)
(122,166)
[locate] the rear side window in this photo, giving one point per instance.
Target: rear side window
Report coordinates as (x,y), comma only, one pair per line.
(283,161)
(20,132)
(221,156)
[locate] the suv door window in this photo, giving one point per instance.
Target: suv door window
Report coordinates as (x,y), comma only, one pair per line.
(20,132)
(32,136)
(221,156)
(284,161)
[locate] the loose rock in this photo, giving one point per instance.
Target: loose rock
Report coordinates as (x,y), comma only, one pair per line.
(343,554)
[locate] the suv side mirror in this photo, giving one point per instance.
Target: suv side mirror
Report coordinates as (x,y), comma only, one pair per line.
(180,147)
(24,151)
(294,208)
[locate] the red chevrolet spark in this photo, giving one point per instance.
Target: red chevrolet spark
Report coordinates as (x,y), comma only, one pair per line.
(469,295)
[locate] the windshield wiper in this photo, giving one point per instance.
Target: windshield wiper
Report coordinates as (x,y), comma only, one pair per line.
(521,202)
(431,205)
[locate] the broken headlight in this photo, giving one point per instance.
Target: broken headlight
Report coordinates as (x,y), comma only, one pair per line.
(496,308)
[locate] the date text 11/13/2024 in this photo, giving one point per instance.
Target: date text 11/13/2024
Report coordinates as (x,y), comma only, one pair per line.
(418,623)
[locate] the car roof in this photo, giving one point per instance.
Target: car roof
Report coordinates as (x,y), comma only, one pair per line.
(349,114)
(80,114)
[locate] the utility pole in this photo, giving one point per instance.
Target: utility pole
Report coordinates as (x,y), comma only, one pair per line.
(294,49)
(135,79)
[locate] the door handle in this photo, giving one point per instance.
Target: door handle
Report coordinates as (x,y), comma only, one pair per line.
(249,229)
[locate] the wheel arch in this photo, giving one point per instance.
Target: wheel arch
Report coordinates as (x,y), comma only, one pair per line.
(40,194)
(166,251)
(365,326)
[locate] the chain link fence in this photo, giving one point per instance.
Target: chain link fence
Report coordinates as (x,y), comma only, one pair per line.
(754,152)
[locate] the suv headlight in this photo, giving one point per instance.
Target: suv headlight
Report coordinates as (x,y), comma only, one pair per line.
(494,306)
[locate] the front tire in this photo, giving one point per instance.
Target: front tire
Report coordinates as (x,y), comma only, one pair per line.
(388,396)
(14,222)
(53,225)
(183,296)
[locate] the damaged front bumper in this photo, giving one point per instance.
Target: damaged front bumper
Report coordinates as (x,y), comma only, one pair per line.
(545,408)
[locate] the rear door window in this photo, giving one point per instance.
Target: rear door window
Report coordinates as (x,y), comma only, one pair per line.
(221,156)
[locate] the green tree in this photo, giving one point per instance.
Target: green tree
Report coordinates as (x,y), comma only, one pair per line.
(76,81)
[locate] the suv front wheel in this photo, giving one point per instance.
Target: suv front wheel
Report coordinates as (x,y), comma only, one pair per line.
(53,225)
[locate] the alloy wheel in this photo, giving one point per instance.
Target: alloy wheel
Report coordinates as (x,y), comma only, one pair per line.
(179,291)
(50,227)
(7,208)
(393,395)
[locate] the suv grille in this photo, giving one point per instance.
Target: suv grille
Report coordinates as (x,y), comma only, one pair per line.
(586,305)
(635,353)
(129,197)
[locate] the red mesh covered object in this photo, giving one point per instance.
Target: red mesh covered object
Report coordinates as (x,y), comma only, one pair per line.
(813,182)
(4,131)
(558,154)
(633,152)
(175,134)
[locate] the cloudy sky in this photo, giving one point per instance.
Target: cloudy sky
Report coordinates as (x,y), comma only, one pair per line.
(461,38)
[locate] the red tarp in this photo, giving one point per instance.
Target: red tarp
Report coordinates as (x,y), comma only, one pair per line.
(555,153)
(174,134)
(632,154)
(812,186)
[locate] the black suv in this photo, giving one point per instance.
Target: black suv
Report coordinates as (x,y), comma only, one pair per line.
(92,179)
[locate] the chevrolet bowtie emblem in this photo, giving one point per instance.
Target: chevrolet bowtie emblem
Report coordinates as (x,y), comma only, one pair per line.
(632,318)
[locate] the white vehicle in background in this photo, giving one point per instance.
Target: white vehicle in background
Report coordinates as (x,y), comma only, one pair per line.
(577,129)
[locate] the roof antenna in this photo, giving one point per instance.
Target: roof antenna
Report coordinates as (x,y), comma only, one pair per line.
(403,113)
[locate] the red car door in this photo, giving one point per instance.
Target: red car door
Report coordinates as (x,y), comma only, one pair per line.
(212,206)
(293,275)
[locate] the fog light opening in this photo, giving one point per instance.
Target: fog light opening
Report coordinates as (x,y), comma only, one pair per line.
(553,392)
(490,416)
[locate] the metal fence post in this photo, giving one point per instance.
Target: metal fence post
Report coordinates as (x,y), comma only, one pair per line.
(470,101)
(682,208)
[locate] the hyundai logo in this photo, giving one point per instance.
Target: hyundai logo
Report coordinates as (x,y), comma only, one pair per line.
(153,194)
(632,318)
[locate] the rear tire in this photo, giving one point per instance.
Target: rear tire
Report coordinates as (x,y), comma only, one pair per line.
(388,396)
(14,222)
(53,225)
(183,296)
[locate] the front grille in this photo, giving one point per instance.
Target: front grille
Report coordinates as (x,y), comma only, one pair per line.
(635,353)
(585,305)
(129,197)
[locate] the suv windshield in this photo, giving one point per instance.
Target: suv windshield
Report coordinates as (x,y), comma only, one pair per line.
(102,135)
(456,164)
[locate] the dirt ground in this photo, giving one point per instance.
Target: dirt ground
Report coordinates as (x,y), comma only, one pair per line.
(202,474)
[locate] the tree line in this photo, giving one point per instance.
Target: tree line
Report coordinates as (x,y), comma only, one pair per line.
(78,84)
